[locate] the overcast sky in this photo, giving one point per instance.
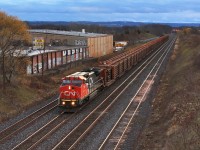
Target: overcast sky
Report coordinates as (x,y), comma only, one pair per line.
(177,11)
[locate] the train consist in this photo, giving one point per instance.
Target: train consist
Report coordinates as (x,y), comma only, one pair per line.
(77,88)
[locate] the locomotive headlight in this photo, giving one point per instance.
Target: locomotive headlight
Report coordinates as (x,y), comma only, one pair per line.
(63,103)
(69,87)
(73,103)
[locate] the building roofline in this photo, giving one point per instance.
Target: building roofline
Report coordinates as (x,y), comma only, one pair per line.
(71,33)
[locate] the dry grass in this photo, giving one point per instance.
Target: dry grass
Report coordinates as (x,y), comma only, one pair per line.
(22,94)
(174,123)
(27,91)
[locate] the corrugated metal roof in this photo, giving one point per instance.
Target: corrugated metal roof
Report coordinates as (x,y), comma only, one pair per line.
(72,33)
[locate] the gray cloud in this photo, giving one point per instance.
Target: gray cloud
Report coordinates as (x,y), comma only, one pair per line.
(98,10)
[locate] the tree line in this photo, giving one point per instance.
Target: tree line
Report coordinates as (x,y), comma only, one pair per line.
(127,33)
(13,33)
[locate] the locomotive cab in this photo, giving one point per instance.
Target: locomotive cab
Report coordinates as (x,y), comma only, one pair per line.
(76,88)
(73,91)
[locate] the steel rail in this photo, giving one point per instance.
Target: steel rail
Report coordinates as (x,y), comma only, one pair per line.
(7,133)
(78,138)
(142,98)
(101,146)
(55,119)
(57,126)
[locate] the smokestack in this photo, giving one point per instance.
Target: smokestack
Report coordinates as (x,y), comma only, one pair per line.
(83,30)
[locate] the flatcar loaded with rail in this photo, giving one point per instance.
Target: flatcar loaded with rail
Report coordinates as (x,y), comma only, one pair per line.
(77,88)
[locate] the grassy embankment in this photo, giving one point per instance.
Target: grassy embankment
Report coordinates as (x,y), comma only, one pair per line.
(175,120)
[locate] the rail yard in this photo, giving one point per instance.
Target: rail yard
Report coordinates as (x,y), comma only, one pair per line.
(111,119)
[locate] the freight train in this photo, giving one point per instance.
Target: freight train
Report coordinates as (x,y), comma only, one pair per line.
(77,88)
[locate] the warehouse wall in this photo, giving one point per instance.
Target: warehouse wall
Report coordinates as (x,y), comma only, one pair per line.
(55,58)
(98,46)
(64,39)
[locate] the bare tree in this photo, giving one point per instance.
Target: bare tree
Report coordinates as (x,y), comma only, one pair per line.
(13,33)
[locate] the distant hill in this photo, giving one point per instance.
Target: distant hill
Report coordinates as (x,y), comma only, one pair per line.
(112,24)
(182,24)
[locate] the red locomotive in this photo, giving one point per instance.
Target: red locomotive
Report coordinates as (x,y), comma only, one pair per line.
(77,88)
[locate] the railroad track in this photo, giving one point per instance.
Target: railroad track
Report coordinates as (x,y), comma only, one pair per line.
(75,135)
(42,134)
(27,121)
(71,140)
(116,136)
(35,137)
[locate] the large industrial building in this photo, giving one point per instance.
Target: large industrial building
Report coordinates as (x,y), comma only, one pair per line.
(52,48)
(98,44)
